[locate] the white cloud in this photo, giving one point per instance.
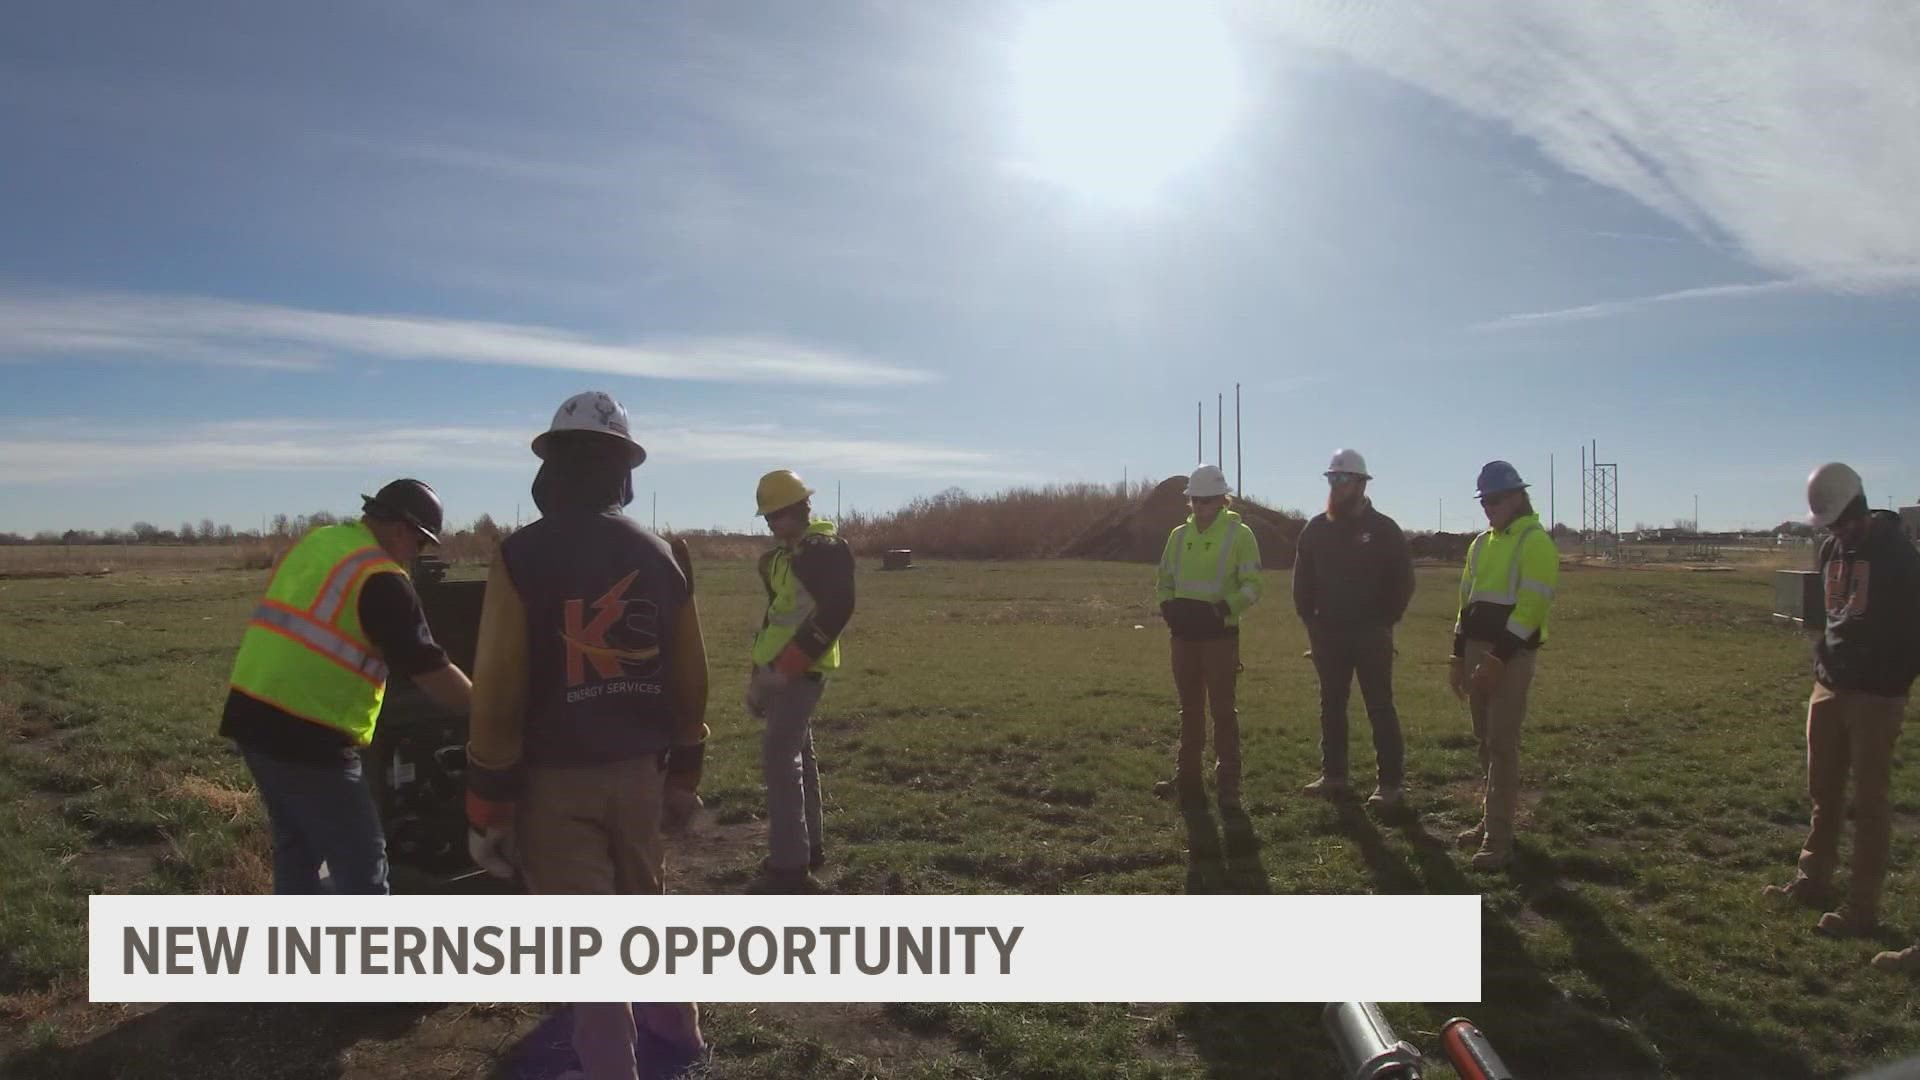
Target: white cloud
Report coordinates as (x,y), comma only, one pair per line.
(1891,278)
(222,332)
(1786,129)
(48,453)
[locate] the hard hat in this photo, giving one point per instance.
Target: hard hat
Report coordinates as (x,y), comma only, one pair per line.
(410,501)
(1830,490)
(778,490)
(1206,481)
(1497,477)
(597,413)
(1348,461)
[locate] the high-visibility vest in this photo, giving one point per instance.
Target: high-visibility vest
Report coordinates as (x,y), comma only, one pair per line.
(1517,567)
(304,651)
(790,605)
(1220,563)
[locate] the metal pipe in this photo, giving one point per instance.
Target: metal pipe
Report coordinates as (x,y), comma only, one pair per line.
(1369,1050)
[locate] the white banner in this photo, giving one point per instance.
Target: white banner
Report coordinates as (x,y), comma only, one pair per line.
(784,948)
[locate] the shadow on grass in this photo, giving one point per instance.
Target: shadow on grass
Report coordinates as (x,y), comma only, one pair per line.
(269,1042)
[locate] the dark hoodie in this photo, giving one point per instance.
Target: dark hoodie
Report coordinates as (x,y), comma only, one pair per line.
(1872,639)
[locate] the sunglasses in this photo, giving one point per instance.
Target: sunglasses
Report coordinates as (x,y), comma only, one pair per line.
(1495,499)
(1336,479)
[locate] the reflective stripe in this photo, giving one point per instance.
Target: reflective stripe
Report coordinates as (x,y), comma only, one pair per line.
(1218,584)
(1249,592)
(1170,559)
(326,607)
(1540,587)
(323,639)
(1248,568)
(1513,571)
(802,603)
(1520,630)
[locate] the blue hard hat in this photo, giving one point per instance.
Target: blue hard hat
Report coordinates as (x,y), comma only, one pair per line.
(1499,476)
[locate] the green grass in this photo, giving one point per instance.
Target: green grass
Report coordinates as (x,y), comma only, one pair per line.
(997,729)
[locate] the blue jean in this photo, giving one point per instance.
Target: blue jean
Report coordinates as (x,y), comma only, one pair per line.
(787,764)
(321,814)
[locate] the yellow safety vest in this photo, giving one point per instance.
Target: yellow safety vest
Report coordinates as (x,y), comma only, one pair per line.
(1517,567)
(1219,563)
(790,605)
(304,651)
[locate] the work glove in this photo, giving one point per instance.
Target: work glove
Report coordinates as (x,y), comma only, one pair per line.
(1486,677)
(1457,677)
(493,850)
(756,696)
(681,797)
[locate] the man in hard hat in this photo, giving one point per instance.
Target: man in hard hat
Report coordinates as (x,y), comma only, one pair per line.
(1352,581)
(1864,665)
(1209,576)
(1506,593)
(808,577)
(339,617)
(590,692)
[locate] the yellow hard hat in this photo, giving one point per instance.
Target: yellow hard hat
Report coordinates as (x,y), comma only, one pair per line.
(780,489)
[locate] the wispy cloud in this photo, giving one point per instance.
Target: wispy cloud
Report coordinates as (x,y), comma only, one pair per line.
(222,332)
(1784,128)
(1890,278)
(46,453)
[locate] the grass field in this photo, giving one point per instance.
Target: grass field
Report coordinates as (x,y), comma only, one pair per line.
(997,730)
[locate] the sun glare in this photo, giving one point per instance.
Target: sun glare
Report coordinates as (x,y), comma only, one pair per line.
(1114,97)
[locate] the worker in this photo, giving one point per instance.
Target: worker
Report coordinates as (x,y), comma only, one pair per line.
(1352,581)
(808,577)
(338,618)
(1864,665)
(589,709)
(1209,576)
(1506,593)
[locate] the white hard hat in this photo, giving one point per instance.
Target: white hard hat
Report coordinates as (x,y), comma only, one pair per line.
(596,412)
(1348,461)
(1207,480)
(1830,489)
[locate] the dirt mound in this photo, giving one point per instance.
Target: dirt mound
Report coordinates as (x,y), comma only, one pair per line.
(1138,533)
(1445,547)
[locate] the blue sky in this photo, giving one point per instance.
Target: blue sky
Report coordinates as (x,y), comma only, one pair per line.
(260,258)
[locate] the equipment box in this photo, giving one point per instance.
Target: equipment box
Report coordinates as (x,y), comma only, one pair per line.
(1799,598)
(417,763)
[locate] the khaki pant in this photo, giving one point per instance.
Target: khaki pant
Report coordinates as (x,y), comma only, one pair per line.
(596,830)
(1850,733)
(1497,717)
(1204,673)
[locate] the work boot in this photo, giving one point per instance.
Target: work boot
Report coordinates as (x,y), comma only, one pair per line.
(1470,838)
(1192,794)
(774,881)
(1801,890)
(1847,921)
(1906,961)
(1327,787)
(1386,800)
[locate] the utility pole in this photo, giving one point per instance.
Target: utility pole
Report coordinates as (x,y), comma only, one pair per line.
(1199,426)
(836,504)
(1441,525)
(1696,515)
(1220,429)
(1239,459)
(1553,511)
(656,511)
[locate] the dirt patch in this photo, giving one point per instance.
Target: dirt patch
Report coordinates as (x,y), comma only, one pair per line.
(1138,533)
(714,858)
(119,869)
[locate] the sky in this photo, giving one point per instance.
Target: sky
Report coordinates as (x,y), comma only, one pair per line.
(258,259)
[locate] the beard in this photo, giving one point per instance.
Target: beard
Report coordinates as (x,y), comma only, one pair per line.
(1347,505)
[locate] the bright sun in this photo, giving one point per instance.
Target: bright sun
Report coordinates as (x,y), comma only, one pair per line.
(1116,96)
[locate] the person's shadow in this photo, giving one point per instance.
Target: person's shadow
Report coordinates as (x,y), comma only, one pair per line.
(294,1042)
(1223,857)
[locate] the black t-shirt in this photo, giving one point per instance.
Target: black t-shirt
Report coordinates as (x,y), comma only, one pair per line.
(391,617)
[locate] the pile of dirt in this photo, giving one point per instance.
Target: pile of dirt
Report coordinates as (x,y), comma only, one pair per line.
(1441,546)
(1138,533)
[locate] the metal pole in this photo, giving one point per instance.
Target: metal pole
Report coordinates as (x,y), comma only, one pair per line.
(1442,525)
(1553,493)
(1199,425)
(1220,428)
(656,511)
(1239,456)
